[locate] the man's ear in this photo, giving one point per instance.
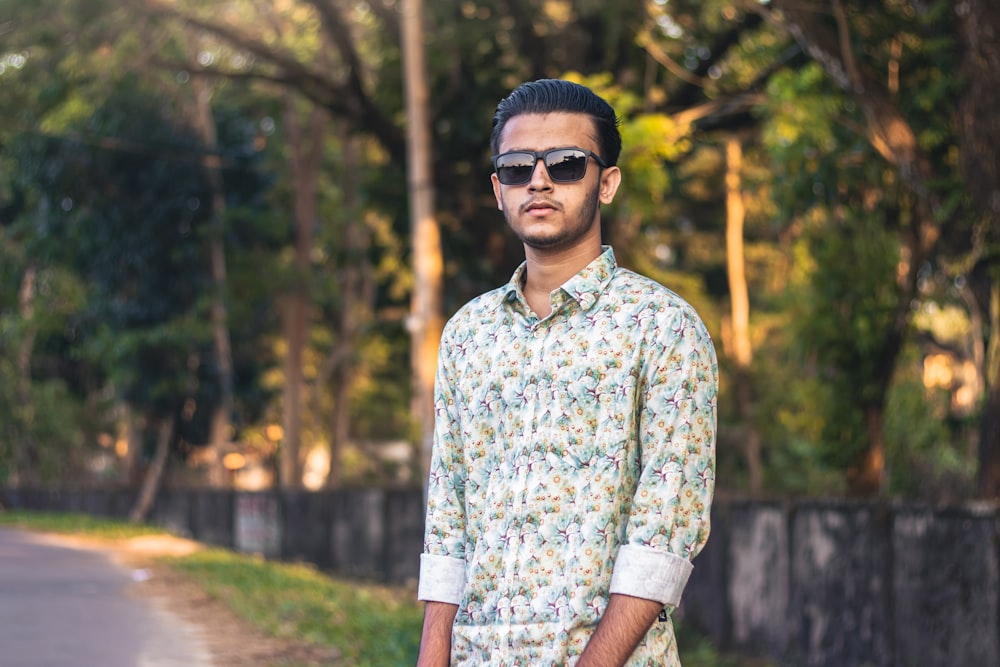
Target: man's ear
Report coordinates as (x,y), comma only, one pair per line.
(611,178)
(496,190)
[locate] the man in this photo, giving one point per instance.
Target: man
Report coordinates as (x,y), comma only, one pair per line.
(573,463)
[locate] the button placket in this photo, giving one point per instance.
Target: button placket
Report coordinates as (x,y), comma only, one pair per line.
(532,357)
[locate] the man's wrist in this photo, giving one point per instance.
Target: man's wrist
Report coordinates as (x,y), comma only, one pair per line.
(435,639)
(625,622)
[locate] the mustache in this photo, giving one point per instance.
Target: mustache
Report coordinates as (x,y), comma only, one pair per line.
(541,201)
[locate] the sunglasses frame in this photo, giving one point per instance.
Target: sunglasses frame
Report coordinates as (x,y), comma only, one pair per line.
(543,156)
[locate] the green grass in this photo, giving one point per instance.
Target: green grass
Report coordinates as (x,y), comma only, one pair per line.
(696,650)
(75,524)
(369,625)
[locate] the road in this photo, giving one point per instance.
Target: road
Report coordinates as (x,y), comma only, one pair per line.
(62,606)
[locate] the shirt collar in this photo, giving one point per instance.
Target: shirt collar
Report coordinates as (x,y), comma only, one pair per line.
(585,287)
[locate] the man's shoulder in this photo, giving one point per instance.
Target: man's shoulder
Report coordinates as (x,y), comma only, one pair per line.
(645,291)
(482,308)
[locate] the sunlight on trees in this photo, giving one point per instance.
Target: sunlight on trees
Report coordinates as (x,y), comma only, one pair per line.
(864,356)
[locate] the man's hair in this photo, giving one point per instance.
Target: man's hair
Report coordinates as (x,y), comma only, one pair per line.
(557,95)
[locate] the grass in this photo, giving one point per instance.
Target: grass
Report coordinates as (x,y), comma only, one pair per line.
(75,524)
(369,625)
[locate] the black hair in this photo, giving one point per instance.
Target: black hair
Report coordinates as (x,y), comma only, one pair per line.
(557,95)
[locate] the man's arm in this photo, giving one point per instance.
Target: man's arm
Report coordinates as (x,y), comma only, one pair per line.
(625,622)
(435,639)
(669,521)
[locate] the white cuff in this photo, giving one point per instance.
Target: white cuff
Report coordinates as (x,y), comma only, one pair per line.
(651,574)
(442,579)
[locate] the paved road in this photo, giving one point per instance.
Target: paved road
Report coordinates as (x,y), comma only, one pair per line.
(65,607)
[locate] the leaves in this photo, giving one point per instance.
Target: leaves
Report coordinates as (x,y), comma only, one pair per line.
(101,189)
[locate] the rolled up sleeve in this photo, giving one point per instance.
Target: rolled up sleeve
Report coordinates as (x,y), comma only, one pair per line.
(442,579)
(442,565)
(650,574)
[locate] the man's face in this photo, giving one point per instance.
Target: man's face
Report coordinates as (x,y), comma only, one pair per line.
(548,215)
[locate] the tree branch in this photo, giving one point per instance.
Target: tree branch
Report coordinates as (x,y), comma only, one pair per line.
(344,100)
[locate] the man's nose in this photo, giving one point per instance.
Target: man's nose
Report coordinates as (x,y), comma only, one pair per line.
(540,177)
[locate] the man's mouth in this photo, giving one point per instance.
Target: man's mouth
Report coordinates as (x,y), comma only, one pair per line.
(540,208)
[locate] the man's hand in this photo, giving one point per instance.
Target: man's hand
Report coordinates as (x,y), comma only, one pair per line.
(435,639)
(625,622)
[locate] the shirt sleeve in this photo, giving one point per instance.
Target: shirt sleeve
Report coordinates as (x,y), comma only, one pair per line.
(669,521)
(442,565)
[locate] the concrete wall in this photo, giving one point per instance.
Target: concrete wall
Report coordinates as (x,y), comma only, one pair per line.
(370,533)
(806,584)
(851,584)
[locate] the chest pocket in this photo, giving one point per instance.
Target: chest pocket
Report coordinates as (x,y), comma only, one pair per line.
(589,425)
(592,441)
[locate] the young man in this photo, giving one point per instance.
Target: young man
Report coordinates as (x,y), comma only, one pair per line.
(574,445)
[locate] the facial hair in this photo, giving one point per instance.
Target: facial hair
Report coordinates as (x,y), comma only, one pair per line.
(578,223)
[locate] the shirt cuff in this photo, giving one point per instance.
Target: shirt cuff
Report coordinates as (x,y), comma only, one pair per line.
(442,579)
(648,573)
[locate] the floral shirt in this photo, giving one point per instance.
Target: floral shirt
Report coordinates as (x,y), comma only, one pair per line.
(574,457)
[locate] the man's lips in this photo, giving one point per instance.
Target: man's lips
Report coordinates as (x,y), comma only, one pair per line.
(539,208)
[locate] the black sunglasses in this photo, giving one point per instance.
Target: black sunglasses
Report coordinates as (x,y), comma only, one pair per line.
(564,165)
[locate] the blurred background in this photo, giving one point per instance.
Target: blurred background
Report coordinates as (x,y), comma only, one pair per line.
(230,231)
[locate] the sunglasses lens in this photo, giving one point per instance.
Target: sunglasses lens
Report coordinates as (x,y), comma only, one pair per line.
(566,165)
(515,168)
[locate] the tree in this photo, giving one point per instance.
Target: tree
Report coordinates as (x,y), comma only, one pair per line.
(425,322)
(829,39)
(979,134)
(222,427)
(305,148)
(849,126)
(740,311)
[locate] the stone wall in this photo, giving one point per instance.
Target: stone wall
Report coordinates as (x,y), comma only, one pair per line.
(851,584)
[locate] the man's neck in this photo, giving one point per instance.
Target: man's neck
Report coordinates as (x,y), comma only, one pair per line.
(546,272)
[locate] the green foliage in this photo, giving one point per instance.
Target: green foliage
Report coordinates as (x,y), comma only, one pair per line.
(924,457)
(850,305)
(791,423)
(696,650)
(101,192)
(53,420)
(847,207)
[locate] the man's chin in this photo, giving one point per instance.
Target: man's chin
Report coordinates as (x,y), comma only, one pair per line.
(542,242)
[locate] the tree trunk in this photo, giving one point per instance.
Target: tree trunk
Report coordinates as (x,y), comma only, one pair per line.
(27,458)
(357,302)
(154,475)
(989,430)
(979,135)
(305,159)
(868,475)
(426,319)
(739,298)
(294,314)
(133,438)
(222,428)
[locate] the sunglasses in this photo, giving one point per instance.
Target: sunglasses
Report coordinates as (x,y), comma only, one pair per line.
(564,165)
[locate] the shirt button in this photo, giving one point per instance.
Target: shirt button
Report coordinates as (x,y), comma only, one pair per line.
(538,333)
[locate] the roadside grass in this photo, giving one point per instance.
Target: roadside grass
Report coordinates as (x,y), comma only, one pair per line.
(369,625)
(75,524)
